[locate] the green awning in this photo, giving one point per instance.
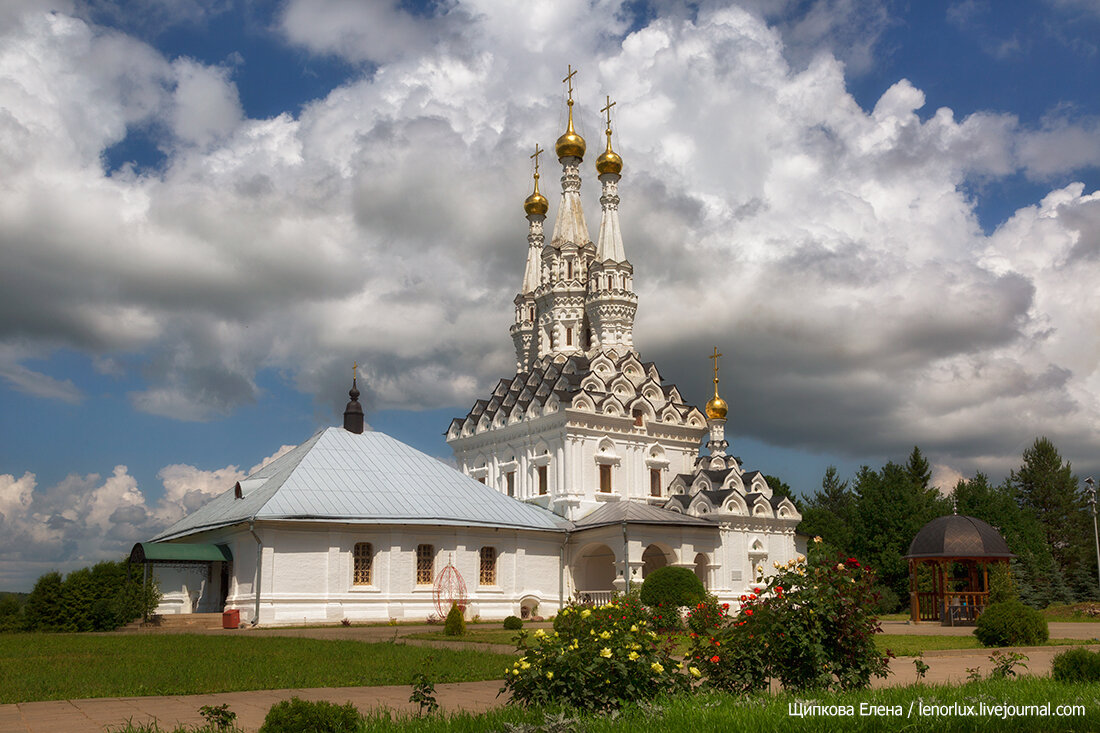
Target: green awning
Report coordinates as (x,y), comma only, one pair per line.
(179,552)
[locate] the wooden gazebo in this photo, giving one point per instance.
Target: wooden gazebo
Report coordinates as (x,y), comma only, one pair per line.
(941,544)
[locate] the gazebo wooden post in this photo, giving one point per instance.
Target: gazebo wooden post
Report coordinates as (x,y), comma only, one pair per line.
(914,600)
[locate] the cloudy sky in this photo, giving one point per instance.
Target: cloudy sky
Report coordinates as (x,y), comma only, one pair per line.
(885,214)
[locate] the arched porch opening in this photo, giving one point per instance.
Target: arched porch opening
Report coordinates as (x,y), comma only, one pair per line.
(701,569)
(594,573)
(654,558)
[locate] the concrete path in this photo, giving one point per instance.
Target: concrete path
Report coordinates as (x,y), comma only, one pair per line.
(96,715)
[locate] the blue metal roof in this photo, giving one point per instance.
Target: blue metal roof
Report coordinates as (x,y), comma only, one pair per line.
(370,477)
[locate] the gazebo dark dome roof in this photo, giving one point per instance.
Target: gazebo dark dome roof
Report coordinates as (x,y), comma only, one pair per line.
(961,537)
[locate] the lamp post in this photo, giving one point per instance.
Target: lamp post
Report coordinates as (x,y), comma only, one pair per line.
(1091,491)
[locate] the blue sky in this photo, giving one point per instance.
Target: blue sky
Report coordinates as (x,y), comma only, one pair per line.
(884,213)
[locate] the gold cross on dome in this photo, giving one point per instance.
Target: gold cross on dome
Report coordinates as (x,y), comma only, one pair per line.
(569,80)
(354,370)
(715,356)
(607,109)
(535,155)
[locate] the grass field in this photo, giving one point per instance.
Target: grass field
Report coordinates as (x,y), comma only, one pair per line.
(902,645)
(62,666)
(715,712)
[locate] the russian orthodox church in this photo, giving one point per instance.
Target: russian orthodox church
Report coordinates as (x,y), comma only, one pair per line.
(580,474)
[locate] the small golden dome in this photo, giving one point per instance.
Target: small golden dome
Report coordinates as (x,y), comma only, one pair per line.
(609,161)
(717,408)
(570,145)
(536,203)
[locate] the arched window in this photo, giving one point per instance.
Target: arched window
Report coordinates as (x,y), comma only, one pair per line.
(569,269)
(425,564)
(488,575)
(362,564)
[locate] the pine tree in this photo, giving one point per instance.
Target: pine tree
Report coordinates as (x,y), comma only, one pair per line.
(920,472)
(828,513)
(1046,486)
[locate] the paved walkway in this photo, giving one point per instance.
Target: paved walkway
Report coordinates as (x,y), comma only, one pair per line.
(96,715)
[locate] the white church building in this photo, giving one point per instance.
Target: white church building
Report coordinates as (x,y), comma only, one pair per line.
(579,474)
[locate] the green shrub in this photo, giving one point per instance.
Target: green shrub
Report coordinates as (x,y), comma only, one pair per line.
(811,626)
(1076,665)
(1001,585)
(887,600)
(1011,623)
(299,716)
(596,659)
(672,587)
(513,623)
(455,625)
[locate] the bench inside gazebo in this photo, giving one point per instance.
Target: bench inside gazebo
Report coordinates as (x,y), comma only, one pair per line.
(945,545)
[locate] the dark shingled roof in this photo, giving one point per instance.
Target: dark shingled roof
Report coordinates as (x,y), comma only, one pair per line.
(955,536)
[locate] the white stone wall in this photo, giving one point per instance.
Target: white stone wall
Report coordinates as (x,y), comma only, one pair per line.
(307,572)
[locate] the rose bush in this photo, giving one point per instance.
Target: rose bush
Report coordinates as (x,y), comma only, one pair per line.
(810,625)
(595,658)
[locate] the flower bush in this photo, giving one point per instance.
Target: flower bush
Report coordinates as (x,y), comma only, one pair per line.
(595,658)
(810,625)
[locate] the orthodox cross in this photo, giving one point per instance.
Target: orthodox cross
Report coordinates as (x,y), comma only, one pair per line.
(569,80)
(607,109)
(536,155)
(354,370)
(715,356)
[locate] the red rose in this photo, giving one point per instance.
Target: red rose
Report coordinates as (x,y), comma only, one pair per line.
(748,612)
(714,659)
(744,598)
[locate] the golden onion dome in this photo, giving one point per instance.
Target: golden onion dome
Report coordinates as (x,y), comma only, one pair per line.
(570,145)
(536,203)
(609,161)
(717,408)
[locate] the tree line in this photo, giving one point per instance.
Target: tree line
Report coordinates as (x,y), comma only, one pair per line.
(1039,509)
(100,598)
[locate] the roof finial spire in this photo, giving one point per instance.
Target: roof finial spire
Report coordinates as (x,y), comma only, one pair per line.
(609,161)
(716,408)
(353,413)
(570,145)
(536,203)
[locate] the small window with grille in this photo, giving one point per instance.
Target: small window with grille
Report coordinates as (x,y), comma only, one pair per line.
(544,481)
(605,478)
(488,566)
(363,563)
(425,564)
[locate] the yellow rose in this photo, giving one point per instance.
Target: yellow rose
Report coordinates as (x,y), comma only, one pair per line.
(656,667)
(605,653)
(605,635)
(632,656)
(585,613)
(549,675)
(634,629)
(694,672)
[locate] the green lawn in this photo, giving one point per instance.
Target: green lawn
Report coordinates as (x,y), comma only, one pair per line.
(903,645)
(718,712)
(61,666)
(480,636)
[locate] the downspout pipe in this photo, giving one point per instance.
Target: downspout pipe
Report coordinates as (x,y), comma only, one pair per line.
(259,568)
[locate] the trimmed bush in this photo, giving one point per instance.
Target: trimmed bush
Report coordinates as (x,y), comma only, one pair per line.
(455,625)
(1011,623)
(672,586)
(296,715)
(1076,665)
(513,623)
